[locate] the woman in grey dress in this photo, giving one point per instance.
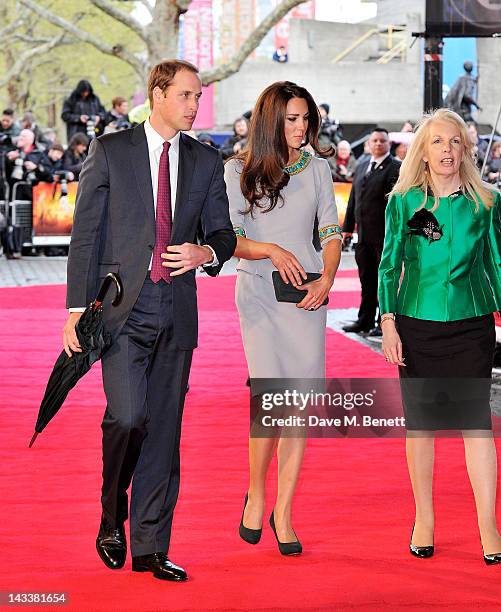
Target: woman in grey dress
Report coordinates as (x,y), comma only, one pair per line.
(276,191)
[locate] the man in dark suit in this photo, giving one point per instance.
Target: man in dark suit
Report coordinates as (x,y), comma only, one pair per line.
(372,181)
(140,190)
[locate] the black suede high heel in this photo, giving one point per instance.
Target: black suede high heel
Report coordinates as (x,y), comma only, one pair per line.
(251,536)
(286,548)
(423,552)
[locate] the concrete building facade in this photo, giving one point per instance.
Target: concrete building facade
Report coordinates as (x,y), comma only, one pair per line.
(359,89)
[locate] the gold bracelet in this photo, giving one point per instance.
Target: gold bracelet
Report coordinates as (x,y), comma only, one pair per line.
(387,317)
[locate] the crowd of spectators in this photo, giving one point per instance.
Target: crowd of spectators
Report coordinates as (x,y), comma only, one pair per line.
(31,154)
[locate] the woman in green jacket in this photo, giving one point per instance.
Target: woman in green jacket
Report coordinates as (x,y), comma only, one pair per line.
(443,226)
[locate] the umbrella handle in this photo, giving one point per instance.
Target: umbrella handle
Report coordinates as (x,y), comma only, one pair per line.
(34,437)
(108,280)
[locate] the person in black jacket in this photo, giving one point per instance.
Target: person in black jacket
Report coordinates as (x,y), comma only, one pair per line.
(22,161)
(372,181)
(51,163)
(240,132)
(118,117)
(76,154)
(83,111)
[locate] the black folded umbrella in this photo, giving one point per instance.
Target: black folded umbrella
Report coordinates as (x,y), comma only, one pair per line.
(93,339)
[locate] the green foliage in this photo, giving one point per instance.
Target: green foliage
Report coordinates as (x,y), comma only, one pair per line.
(46,80)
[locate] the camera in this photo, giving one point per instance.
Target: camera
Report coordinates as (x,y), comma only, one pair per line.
(62,177)
(90,127)
(31,176)
(123,124)
(5,140)
(18,170)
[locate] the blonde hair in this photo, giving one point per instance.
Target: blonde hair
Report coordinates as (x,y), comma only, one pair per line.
(415,172)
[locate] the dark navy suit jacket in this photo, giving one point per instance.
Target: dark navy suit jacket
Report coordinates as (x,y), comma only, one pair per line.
(114,224)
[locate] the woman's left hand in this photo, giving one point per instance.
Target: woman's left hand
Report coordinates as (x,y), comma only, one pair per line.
(318,290)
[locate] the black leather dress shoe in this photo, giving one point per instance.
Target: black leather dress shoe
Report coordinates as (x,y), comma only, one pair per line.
(375,332)
(160,566)
(356,328)
(111,545)
(423,552)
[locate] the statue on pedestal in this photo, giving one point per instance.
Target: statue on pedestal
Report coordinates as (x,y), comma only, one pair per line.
(462,96)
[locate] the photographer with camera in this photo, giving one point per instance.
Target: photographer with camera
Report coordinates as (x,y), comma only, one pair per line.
(117,118)
(83,112)
(22,161)
(76,154)
(331,131)
(51,165)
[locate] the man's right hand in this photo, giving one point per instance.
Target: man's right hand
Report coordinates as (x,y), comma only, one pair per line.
(84,118)
(70,340)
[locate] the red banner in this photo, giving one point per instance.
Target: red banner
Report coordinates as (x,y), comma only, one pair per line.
(198,50)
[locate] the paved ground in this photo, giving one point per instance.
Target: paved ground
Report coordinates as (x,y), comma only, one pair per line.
(44,270)
(52,270)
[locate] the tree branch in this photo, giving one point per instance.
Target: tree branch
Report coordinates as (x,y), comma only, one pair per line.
(147,6)
(125,18)
(182,5)
(251,42)
(11,28)
(116,50)
(29,39)
(35,52)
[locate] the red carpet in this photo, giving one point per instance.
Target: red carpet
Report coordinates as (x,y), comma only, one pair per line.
(353,514)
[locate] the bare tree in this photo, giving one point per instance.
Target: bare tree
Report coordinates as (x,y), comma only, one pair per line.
(23,51)
(160,36)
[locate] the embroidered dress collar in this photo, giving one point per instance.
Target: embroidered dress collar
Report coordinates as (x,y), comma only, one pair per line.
(300,164)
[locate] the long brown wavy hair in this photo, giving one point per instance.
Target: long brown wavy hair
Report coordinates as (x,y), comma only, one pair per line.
(267,153)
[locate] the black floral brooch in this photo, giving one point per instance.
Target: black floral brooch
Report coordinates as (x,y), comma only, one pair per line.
(424,223)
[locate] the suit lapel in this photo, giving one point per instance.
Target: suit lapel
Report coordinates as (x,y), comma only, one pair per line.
(184,176)
(141,163)
(363,174)
(363,168)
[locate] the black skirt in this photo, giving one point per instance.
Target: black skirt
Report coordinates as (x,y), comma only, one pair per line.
(446,382)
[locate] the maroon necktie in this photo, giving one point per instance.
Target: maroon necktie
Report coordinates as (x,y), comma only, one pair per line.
(163,219)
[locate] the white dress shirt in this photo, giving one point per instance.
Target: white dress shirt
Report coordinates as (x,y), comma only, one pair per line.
(155,148)
(378,160)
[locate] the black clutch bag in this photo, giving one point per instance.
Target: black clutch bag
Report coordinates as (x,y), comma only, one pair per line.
(288,293)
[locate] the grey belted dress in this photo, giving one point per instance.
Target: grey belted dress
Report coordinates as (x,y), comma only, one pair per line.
(281,340)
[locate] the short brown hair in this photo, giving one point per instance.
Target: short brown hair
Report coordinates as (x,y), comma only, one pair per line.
(163,74)
(56,147)
(119,100)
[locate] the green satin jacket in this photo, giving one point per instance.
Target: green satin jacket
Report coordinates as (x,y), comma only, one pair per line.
(454,273)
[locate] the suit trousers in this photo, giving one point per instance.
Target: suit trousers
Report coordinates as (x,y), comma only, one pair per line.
(145,377)
(368,257)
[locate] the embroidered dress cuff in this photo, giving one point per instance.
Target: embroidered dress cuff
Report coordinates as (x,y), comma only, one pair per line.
(239,231)
(330,231)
